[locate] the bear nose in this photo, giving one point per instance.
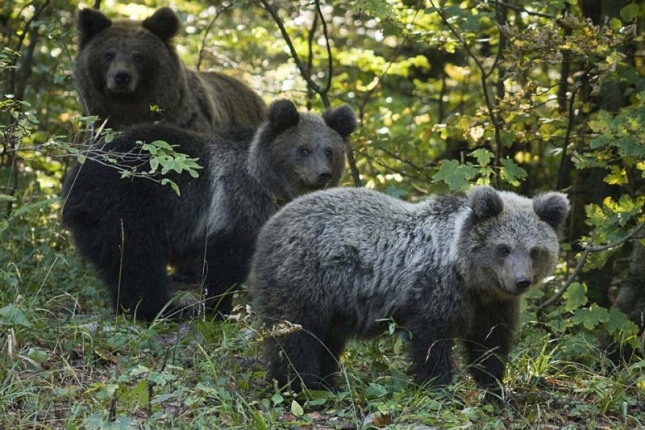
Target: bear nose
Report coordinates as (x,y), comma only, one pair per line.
(122,78)
(324,176)
(522,283)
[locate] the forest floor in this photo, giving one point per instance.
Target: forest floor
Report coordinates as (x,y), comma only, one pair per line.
(67,362)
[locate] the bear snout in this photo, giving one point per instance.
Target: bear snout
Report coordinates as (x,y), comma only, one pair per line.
(122,82)
(324,177)
(317,180)
(122,77)
(522,284)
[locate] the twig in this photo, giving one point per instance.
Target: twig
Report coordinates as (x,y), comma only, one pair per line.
(207,32)
(292,49)
(581,262)
(482,71)
(306,75)
(563,171)
(522,9)
(310,57)
(330,65)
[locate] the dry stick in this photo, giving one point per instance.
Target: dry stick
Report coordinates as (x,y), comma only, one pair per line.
(207,32)
(502,15)
(330,66)
(524,10)
(292,49)
(310,58)
(482,71)
(581,262)
(307,76)
(562,179)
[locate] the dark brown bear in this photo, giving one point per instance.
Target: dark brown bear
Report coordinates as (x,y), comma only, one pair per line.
(128,72)
(132,229)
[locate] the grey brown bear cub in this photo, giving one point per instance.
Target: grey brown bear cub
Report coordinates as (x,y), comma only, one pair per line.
(131,229)
(339,262)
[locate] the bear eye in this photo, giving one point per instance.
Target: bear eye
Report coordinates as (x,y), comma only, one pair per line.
(328,153)
(533,253)
(304,151)
(108,56)
(138,58)
(503,250)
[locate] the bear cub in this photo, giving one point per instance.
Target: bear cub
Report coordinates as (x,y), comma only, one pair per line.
(339,262)
(132,229)
(128,72)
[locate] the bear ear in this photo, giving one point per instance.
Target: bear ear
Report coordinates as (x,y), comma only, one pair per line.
(90,23)
(552,208)
(485,202)
(281,115)
(342,120)
(164,23)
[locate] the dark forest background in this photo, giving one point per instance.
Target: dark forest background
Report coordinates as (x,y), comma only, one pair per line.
(526,96)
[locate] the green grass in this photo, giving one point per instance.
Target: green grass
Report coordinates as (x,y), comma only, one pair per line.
(66,361)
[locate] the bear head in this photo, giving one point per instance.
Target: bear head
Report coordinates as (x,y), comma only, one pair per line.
(126,58)
(295,152)
(506,243)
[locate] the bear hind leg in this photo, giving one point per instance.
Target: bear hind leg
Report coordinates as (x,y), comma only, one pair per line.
(139,284)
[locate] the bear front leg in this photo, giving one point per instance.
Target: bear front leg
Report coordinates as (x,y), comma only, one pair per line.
(431,353)
(490,341)
(227,264)
(294,360)
(330,359)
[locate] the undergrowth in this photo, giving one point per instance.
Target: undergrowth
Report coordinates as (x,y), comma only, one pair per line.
(66,361)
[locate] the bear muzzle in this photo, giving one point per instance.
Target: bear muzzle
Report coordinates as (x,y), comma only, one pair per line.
(122,82)
(522,284)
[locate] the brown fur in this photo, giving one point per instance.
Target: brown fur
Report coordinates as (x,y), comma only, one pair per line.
(128,72)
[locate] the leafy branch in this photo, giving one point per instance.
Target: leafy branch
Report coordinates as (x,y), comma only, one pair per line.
(583,258)
(484,75)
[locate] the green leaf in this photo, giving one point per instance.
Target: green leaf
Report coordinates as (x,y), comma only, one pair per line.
(630,12)
(376,8)
(154,165)
(375,391)
(12,315)
(590,317)
(618,176)
(483,156)
(511,172)
(277,399)
(296,409)
(456,175)
(575,297)
(619,322)
(173,185)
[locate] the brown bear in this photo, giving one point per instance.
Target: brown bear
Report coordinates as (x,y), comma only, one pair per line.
(128,72)
(342,262)
(131,229)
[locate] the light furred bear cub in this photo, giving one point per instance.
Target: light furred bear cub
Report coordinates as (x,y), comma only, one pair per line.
(340,262)
(131,229)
